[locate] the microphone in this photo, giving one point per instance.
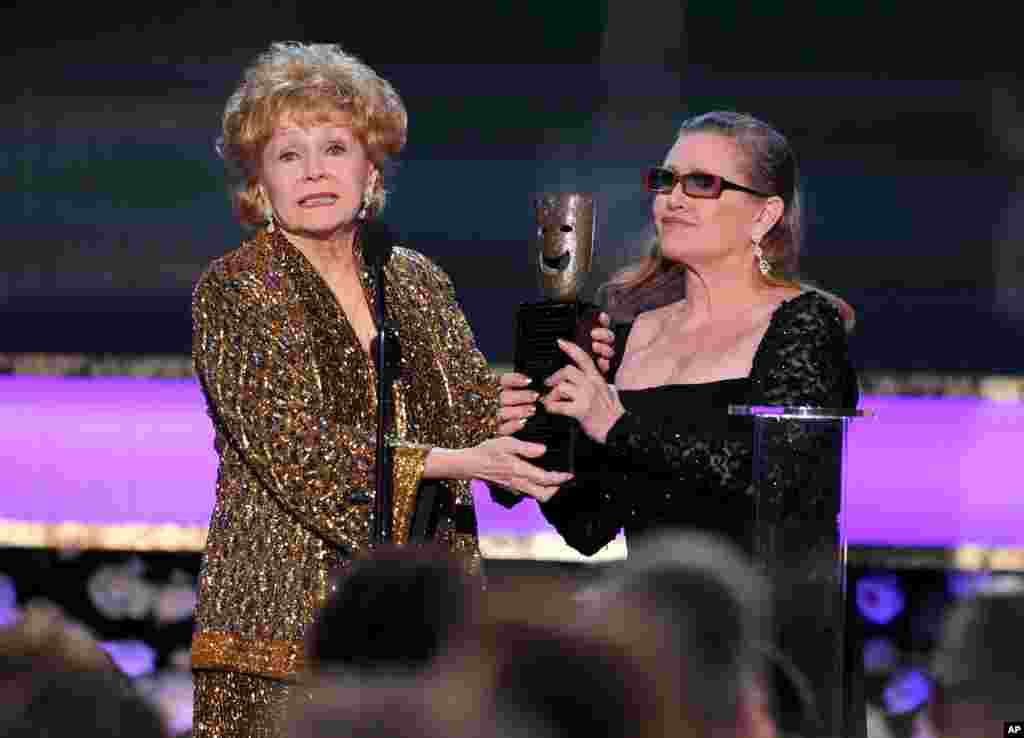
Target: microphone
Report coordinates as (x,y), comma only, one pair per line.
(378,241)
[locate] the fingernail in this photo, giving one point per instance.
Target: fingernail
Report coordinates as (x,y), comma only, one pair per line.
(531,411)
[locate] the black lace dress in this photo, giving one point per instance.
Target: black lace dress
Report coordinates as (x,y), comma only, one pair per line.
(676,458)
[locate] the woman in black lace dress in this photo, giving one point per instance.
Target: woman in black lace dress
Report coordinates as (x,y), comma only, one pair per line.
(733,326)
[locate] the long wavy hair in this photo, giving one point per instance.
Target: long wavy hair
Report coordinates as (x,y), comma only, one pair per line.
(770,165)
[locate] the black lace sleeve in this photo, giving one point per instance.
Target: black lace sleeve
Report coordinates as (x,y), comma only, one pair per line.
(591,509)
(802,360)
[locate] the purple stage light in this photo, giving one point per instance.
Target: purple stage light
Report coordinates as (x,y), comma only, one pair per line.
(922,472)
(880,598)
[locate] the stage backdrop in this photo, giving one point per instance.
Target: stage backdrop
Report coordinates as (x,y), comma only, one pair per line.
(114,199)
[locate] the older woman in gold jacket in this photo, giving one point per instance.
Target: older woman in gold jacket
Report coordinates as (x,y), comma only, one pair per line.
(282,332)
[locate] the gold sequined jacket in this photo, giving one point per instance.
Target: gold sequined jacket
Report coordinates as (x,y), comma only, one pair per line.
(291,394)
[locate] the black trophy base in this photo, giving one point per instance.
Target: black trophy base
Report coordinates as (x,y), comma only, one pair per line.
(538,327)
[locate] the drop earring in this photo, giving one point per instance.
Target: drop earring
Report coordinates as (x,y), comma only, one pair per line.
(364,208)
(762,263)
(268,211)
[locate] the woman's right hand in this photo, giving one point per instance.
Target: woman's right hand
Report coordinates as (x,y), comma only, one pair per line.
(517,403)
(502,461)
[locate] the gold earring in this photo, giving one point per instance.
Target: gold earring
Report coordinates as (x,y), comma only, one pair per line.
(268,211)
(365,208)
(371,185)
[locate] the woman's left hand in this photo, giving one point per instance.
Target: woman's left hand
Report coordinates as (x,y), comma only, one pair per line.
(603,345)
(580,391)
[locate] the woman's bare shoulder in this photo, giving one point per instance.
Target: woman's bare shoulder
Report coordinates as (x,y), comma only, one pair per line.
(778,295)
(772,300)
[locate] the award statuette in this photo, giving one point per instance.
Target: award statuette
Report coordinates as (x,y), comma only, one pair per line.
(562,252)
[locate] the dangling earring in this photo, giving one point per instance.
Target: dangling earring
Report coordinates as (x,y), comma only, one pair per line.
(762,263)
(268,211)
(365,208)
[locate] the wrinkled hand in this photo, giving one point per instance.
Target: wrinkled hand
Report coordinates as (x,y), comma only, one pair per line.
(503,462)
(580,391)
(517,403)
(603,343)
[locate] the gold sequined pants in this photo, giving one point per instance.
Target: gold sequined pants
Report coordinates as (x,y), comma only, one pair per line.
(232,705)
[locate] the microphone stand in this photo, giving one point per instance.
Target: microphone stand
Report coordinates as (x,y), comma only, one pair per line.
(431,498)
(387,361)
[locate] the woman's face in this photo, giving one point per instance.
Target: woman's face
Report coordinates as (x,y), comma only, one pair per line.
(314,172)
(699,231)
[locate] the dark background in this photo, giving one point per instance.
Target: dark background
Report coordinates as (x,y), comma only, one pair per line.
(113,199)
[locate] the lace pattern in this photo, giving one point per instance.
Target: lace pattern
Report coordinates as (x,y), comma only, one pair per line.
(664,464)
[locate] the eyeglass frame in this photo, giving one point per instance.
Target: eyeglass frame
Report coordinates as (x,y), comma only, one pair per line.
(678,179)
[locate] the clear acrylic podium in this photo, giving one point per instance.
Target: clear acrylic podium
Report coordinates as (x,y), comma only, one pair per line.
(799,538)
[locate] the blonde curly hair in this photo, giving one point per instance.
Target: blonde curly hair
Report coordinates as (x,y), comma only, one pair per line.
(313,81)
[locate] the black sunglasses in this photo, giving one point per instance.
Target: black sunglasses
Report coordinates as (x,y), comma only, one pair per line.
(695,184)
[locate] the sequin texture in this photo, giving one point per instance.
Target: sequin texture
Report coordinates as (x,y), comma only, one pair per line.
(291,396)
(232,705)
